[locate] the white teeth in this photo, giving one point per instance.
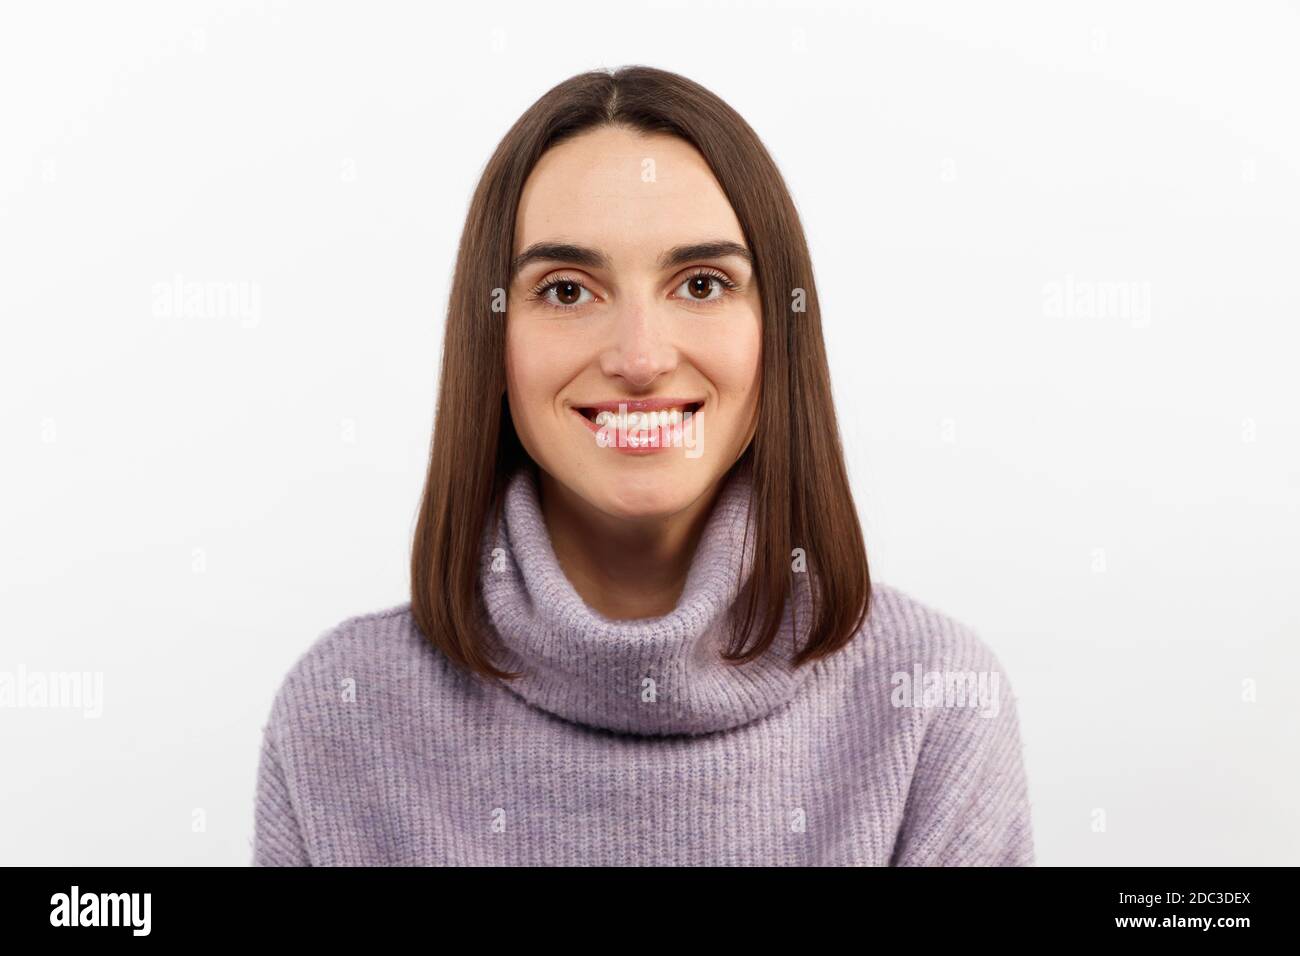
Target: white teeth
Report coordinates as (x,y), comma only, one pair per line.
(639,421)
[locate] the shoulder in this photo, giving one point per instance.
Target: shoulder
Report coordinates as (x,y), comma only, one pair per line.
(360,655)
(904,630)
(939,670)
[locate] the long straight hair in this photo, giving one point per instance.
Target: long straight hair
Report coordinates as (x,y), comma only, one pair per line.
(802,498)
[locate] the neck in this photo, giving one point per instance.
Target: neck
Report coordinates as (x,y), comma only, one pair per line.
(623,568)
(657,675)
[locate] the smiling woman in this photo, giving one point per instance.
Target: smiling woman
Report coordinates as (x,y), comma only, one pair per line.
(613,619)
(662,317)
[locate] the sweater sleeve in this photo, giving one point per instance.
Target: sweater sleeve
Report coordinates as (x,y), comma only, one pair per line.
(968,803)
(277,838)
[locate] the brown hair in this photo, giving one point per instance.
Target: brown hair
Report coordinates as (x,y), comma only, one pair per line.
(801,490)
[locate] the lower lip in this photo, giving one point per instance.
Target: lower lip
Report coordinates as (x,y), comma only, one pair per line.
(669,436)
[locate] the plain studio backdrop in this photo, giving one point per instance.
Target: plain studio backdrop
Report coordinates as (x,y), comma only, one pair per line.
(1056,248)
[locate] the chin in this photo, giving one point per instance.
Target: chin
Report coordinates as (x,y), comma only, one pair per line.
(625,492)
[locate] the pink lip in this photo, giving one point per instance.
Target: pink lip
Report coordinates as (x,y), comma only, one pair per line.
(669,435)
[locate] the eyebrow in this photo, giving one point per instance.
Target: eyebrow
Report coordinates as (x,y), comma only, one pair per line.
(595,259)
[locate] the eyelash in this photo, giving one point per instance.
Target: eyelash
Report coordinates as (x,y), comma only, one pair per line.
(538,292)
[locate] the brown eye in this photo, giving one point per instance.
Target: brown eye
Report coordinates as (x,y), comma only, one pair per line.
(562,294)
(700,286)
(706,287)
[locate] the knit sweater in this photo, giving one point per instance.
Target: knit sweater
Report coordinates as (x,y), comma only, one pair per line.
(631,742)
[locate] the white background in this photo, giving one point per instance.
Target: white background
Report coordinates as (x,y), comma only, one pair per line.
(1109,496)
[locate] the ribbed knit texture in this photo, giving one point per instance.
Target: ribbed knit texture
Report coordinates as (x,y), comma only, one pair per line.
(631,742)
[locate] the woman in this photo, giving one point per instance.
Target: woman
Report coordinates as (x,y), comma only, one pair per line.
(641,626)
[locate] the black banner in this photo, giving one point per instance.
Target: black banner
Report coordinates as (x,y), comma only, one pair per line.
(661,907)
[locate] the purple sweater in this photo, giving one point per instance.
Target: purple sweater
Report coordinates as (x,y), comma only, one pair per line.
(633,743)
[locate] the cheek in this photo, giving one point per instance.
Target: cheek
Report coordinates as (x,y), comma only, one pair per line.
(537,369)
(521,378)
(733,362)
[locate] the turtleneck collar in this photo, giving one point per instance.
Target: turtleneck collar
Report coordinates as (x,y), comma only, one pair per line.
(584,667)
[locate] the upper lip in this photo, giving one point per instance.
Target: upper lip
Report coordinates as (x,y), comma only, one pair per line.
(638,404)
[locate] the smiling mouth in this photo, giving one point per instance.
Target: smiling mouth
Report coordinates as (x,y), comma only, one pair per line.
(642,415)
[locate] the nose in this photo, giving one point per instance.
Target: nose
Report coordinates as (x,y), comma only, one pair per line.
(640,348)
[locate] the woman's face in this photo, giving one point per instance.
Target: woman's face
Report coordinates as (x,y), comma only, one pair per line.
(629,314)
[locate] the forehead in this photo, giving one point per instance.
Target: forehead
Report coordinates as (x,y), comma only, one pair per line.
(631,194)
